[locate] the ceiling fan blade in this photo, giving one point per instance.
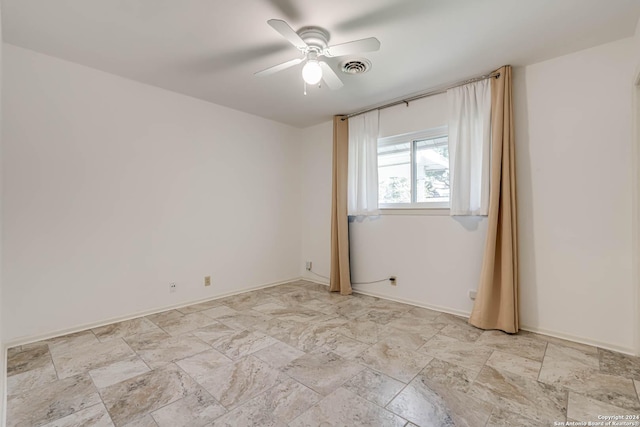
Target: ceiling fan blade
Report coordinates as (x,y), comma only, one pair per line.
(287,8)
(330,77)
(279,67)
(399,10)
(287,32)
(349,48)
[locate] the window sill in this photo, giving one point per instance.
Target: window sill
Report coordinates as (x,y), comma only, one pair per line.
(415,211)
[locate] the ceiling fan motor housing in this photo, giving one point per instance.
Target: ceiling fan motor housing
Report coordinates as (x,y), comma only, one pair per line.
(315,37)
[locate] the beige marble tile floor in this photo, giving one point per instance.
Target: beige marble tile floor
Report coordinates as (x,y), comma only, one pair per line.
(297,355)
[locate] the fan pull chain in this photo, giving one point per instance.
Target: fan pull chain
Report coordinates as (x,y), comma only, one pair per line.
(305,88)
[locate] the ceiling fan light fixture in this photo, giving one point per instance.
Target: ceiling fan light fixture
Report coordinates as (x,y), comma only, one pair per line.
(311,72)
(312,42)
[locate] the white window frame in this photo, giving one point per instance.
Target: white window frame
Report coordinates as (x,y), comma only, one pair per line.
(431,208)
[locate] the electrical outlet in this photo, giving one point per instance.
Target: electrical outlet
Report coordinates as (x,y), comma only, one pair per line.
(392,279)
(207,280)
(472,294)
(172,287)
(309,265)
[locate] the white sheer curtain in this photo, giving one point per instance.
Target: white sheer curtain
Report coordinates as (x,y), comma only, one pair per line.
(470,147)
(362,199)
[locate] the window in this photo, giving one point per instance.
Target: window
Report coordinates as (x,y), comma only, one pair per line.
(413,170)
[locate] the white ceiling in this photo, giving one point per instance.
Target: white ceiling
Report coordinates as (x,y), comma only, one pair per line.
(210,49)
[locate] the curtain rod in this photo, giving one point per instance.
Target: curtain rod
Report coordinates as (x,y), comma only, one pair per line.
(423,95)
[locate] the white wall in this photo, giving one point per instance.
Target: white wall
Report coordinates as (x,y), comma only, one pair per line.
(574,144)
(3,353)
(636,255)
(315,166)
(424,252)
(574,170)
(114,189)
(637,43)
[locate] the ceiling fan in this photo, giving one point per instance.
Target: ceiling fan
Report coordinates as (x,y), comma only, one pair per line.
(313,43)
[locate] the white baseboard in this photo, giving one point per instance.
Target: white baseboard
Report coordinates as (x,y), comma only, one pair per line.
(415,304)
(91,325)
(528,328)
(318,280)
(581,340)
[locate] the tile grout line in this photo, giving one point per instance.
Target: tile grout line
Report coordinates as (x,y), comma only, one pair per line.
(490,415)
(98,388)
(143,361)
(100,396)
(150,413)
(396,395)
(408,382)
(544,356)
(52,362)
(341,385)
(308,388)
(82,409)
(479,370)
(271,388)
(599,359)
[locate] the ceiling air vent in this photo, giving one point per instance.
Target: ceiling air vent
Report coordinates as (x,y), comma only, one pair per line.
(356,66)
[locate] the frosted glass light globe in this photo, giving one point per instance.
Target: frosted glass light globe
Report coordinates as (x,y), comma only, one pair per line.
(311,72)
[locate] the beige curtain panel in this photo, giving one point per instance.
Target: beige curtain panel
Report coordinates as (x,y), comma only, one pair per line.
(496,305)
(340,273)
